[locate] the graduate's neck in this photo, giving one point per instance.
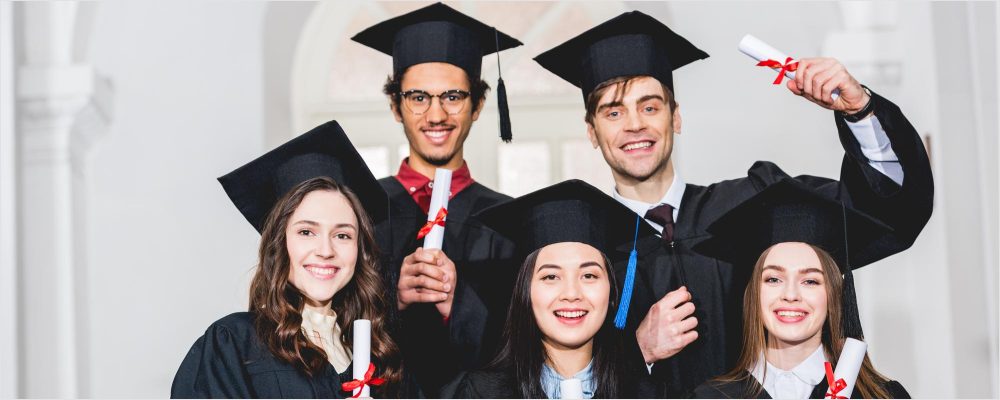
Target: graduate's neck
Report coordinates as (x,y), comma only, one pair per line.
(786,355)
(568,361)
(650,190)
(426,167)
(322,308)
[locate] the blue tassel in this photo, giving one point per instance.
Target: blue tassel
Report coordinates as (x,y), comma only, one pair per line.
(633,256)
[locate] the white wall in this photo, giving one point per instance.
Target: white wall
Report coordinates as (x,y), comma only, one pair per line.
(167,252)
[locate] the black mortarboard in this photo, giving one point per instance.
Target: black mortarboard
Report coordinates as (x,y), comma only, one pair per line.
(630,44)
(787,211)
(570,211)
(438,33)
(324,151)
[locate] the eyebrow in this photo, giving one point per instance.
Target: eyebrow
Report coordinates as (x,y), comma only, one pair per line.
(591,264)
(804,271)
(609,105)
(648,97)
(314,223)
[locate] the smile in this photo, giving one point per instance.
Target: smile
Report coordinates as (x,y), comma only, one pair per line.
(437,136)
(322,272)
(790,316)
(637,146)
(570,317)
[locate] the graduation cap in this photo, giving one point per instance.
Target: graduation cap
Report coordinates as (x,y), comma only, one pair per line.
(570,211)
(787,211)
(438,33)
(630,44)
(324,151)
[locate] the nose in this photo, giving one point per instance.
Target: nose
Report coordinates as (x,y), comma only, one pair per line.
(790,292)
(325,249)
(436,113)
(570,290)
(635,122)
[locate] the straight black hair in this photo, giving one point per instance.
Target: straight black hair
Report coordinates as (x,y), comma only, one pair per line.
(522,351)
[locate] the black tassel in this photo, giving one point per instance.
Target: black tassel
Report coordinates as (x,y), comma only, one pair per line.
(851,320)
(505,131)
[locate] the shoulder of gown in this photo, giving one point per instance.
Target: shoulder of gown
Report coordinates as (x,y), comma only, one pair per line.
(481,384)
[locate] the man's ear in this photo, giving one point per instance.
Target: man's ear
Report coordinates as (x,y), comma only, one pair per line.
(592,135)
(395,111)
(677,118)
(479,107)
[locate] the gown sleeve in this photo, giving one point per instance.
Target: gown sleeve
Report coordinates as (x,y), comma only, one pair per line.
(213,368)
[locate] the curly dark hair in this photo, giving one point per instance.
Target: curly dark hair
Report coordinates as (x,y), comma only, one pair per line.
(278,304)
(478,88)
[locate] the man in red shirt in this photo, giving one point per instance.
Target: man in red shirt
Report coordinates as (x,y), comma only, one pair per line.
(452,301)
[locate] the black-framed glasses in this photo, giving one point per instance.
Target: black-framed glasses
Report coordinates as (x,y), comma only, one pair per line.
(419,101)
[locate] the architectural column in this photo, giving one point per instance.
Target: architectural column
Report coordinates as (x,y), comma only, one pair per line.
(51,91)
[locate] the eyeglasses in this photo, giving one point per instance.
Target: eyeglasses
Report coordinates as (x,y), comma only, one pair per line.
(419,101)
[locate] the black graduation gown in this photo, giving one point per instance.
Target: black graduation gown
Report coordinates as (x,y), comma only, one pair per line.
(717,287)
(230,361)
(742,388)
(501,384)
(432,350)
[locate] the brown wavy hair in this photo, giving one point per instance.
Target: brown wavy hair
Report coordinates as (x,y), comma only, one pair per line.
(278,305)
(870,384)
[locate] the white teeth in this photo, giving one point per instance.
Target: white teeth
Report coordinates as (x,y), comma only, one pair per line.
(570,314)
(639,145)
(322,271)
(436,134)
(791,313)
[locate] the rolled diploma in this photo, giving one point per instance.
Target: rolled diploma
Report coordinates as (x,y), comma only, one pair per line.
(439,200)
(849,364)
(760,51)
(571,389)
(362,352)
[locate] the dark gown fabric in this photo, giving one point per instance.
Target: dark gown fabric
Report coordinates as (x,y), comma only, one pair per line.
(745,387)
(230,361)
(435,351)
(717,287)
(501,384)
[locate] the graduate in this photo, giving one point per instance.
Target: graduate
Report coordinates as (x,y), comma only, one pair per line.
(686,309)
(797,308)
(452,300)
(559,325)
(317,272)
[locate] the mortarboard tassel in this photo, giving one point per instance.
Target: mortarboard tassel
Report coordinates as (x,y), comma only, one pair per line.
(851,320)
(502,109)
(629,283)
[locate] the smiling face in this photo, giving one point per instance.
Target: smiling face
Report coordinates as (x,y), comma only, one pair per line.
(435,136)
(322,241)
(793,295)
(635,133)
(570,289)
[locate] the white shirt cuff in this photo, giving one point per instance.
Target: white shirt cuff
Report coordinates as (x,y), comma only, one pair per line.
(876,147)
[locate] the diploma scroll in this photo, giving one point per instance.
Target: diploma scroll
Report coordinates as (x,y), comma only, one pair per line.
(439,201)
(849,364)
(571,389)
(762,52)
(362,352)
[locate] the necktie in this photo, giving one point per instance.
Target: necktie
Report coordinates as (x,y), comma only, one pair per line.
(663,214)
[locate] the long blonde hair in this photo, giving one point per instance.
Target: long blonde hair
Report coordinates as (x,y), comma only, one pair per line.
(755,337)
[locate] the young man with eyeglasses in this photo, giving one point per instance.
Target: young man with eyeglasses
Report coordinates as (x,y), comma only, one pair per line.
(452,302)
(685,316)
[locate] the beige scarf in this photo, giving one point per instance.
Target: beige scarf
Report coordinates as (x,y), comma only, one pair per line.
(324,332)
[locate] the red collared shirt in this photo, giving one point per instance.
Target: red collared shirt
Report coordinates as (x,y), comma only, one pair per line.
(420,187)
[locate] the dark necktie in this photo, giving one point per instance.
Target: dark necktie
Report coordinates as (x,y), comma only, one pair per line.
(663,214)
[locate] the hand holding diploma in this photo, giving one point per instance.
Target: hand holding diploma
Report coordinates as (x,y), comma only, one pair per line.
(823,81)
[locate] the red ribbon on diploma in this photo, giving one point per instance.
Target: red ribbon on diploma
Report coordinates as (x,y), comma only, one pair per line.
(438,220)
(787,66)
(358,384)
(835,385)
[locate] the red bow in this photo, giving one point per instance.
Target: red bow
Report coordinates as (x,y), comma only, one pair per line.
(835,385)
(359,384)
(787,66)
(438,220)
